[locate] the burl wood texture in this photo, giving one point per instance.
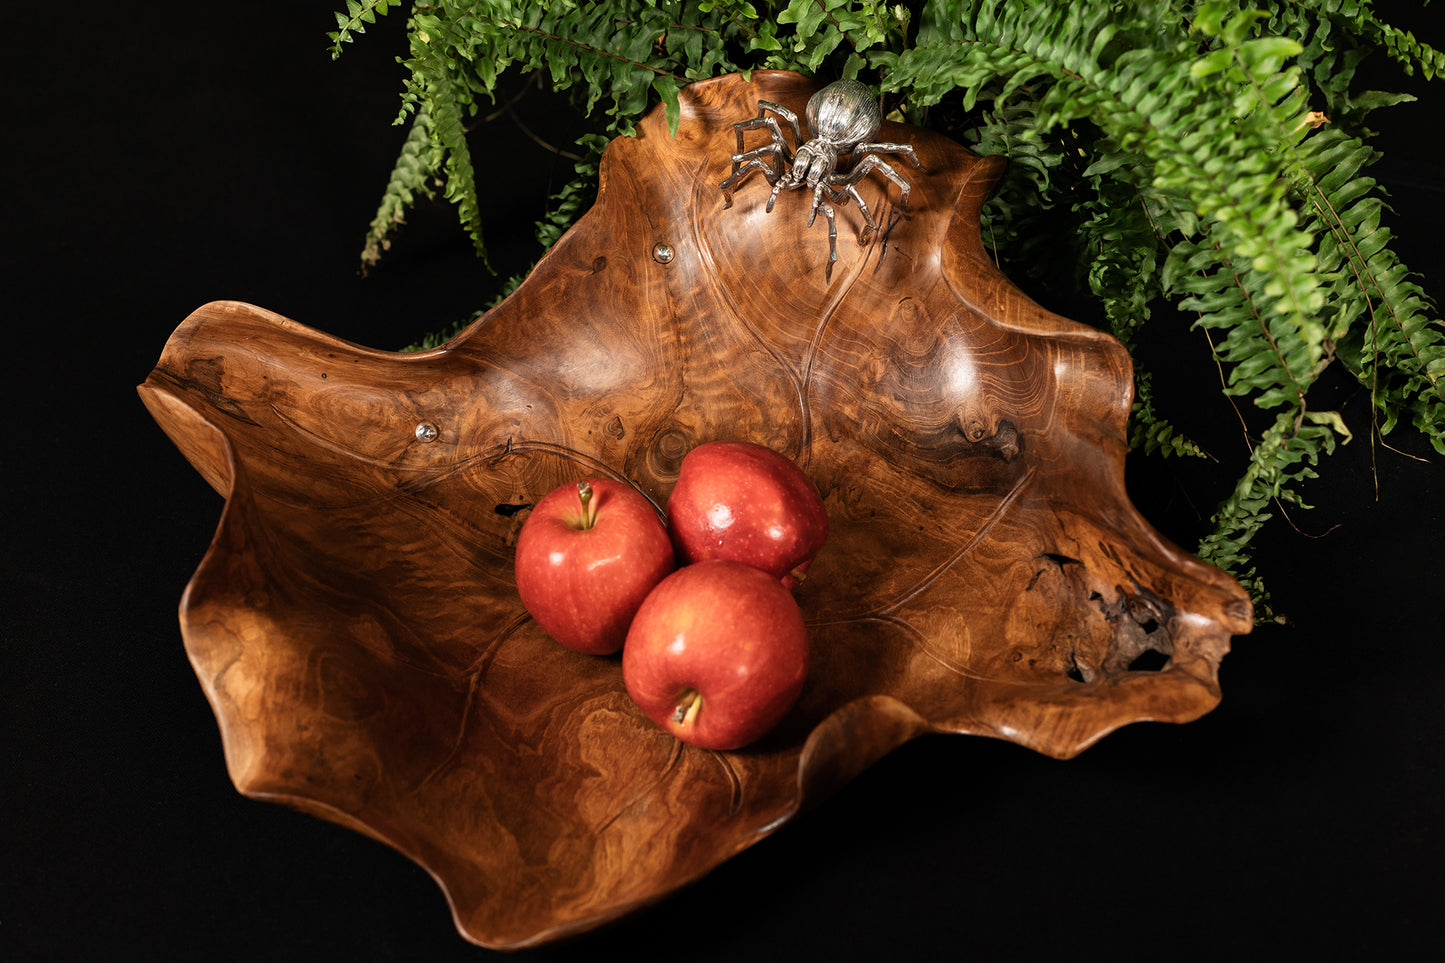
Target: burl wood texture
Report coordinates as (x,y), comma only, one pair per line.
(357,631)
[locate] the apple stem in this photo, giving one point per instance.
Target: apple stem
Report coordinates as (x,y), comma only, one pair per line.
(687,708)
(584,495)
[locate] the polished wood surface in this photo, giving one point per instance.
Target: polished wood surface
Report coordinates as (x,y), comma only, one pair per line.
(355,626)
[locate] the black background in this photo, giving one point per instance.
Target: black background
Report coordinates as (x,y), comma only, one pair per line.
(161,157)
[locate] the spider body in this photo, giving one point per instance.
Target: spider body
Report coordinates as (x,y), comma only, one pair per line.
(843,118)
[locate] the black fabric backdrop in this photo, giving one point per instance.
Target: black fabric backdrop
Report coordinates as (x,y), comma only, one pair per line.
(161,157)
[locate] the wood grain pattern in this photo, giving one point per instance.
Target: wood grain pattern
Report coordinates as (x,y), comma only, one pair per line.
(356,628)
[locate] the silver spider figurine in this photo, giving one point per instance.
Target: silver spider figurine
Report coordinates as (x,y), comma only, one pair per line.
(844,117)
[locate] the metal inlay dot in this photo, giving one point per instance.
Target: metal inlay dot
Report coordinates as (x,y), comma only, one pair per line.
(426,431)
(663,253)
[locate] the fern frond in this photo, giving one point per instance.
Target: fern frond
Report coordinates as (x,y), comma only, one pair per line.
(1153,434)
(1400,45)
(823,26)
(409,177)
(1010,127)
(1374,309)
(574,198)
(448,101)
(590,47)
(1381,322)
(1336,36)
(461,49)
(1125,255)
(358,14)
(1285,456)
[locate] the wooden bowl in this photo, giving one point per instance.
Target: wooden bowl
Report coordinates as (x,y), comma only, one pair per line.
(355,624)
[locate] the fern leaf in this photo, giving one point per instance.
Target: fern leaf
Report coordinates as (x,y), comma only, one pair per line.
(1027,192)
(1381,324)
(1401,46)
(358,14)
(1335,37)
(447,100)
(409,177)
(573,199)
(581,45)
(1125,256)
(1285,456)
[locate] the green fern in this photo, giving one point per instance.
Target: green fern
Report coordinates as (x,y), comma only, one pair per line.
(1379,321)
(1335,37)
(1125,257)
(1168,159)
(358,14)
(1025,195)
(822,27)
(574,198)
(409,177)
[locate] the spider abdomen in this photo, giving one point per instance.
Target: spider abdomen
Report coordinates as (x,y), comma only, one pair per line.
(845,114)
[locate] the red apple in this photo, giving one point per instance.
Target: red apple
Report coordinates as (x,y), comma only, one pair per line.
(741,501)
(586,558)
(717,654)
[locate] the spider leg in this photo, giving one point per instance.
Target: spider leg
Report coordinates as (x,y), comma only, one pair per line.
(778,148)
(817,199)
(874,162)
(729,185)
(827,210)
(752,156)
(776,145)
(753,160)
(778,185)
(786,114)
(904,150)
(841,197)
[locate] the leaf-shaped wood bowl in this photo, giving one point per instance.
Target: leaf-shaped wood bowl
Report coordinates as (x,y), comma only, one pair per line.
(355,624)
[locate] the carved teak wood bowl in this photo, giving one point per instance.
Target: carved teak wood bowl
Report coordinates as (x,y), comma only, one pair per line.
(355,624)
